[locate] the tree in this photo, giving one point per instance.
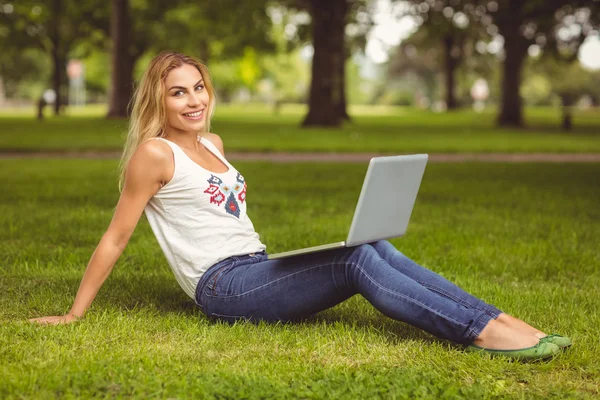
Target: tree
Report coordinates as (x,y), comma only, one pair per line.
(331,49)
(122,61)
(415,57)
(446,27)
(130,39)
(520,24)
(326,89)
(22,60)
(191,27)
(567,80)
(53,26)
(525,23)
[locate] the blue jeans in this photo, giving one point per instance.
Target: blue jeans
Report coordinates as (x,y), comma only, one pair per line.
(255,288)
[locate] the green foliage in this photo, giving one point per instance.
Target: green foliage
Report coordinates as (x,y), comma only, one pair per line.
(225,78)
(567,81)
(537,90)
(523,237)
(361,89)
(25,73)
(97,71)
(287,77)
(248,67)
(208,30)
(36,30)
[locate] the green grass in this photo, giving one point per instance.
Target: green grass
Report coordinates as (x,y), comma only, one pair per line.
(521,236)
(374,129)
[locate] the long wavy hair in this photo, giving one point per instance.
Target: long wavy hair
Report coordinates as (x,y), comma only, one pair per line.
(148,114)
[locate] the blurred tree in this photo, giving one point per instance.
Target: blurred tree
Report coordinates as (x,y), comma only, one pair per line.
(289,77)
(285,72)
(569,81)
(223,32)
(326,94)
(123,58)
(557,26)
(187,26)
(448,30)
(53,26)
(419,56)
(429,57)
(337,27)
(22,70)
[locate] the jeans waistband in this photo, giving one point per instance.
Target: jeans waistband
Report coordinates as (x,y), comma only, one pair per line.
(246,256)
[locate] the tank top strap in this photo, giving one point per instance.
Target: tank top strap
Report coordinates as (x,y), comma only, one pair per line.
(213,149)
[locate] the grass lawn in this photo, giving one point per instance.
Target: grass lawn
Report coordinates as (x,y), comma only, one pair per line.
(374,129)
(521,236)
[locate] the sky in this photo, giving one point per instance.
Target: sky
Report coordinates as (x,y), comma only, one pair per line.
(389,31)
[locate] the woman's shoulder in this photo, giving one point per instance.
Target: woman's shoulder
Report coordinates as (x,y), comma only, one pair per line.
(154,151)
(152,155)
(152,161)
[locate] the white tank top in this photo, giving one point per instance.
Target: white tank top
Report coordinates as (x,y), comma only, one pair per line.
(199,217)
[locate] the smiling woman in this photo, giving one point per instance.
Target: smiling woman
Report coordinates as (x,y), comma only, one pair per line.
(186,104)
(175,171)
(172,85)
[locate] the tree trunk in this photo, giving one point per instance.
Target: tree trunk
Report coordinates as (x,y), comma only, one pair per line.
(58,63)
(515,48)
(342,108)
(58,60)
(123,61)
(567,120)
(204,51)
(326,99)
(450,67)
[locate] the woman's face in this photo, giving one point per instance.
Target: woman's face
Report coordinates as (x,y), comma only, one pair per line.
(186,100)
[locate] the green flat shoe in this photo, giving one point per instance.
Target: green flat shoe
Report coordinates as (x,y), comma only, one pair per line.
(561,341)
(542,350)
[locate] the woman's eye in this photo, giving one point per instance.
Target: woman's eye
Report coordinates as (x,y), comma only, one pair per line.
(178,93)
(199,87)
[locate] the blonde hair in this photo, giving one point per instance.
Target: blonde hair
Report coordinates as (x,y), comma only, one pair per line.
(148,116)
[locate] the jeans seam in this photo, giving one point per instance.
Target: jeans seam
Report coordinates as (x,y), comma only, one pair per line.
(269,283)
(449,295)
(408,299)
(214,279)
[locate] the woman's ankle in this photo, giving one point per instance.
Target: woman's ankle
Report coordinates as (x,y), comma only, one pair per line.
(500,336)
(520,325)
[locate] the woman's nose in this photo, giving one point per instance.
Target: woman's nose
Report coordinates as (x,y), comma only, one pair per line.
(193,99)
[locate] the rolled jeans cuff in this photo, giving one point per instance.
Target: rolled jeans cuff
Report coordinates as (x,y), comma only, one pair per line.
(493,312)
(475,329)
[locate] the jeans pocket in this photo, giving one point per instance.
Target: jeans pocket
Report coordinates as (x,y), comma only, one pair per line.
(211,286)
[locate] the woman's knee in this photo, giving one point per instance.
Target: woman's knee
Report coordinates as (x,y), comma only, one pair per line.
(384,248)
(362,254)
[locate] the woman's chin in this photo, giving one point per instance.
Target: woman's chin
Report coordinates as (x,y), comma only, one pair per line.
(192,126)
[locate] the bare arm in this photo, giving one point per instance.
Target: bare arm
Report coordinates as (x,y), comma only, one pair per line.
(150,167)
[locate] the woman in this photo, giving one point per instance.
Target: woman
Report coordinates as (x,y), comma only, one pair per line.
(195,202)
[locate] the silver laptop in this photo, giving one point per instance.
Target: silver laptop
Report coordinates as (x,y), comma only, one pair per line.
(385,203)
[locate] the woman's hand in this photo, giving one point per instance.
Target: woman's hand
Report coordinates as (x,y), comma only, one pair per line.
(56,320)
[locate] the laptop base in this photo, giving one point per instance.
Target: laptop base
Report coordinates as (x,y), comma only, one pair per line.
(307,250)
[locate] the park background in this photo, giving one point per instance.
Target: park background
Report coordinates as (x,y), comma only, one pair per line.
(481,82)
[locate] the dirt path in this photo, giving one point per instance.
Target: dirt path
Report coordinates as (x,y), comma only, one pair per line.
(339,157)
